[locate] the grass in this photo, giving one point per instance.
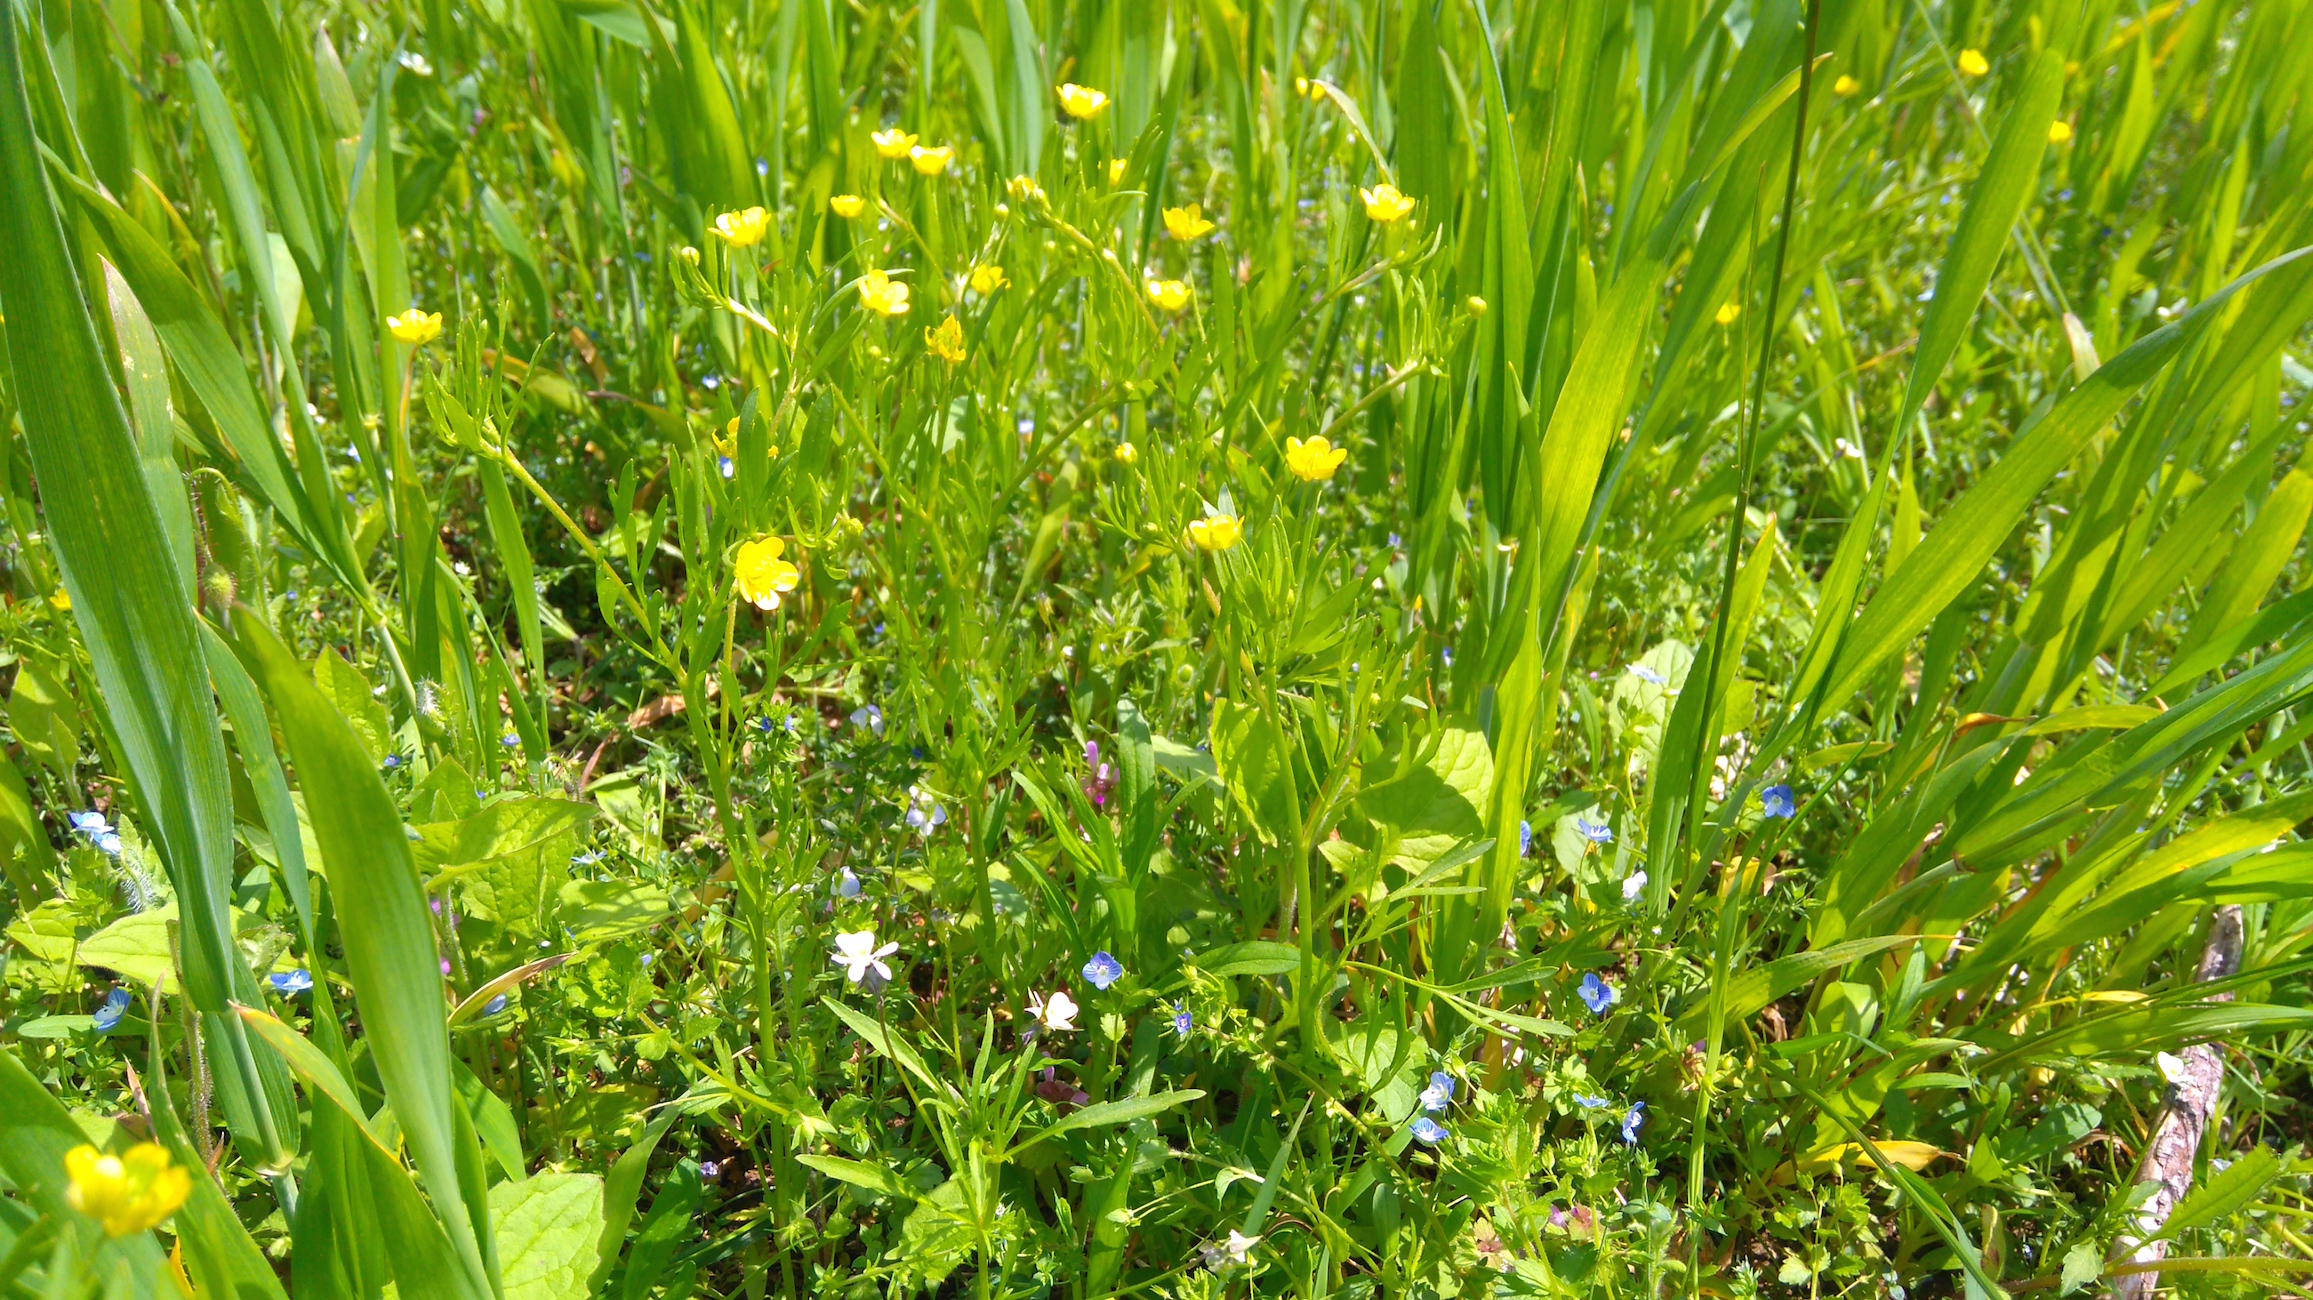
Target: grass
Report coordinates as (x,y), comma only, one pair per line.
(751,647)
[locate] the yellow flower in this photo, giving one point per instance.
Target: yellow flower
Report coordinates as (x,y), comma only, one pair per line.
(743,229)
(881,294)
(1384,204)
(946,342)
(1973,63)
(1172,295)
(1126,453)
(762,577)
(1313,459)
(932,161)
(847,206)
(1301,87)
(1024,188)
(414,327)
(60,601)
(127,1194)
(987,278)
(894,144)
(2059,132)
(1476,304)
(1081,102)
(1218,533)
(1188,223)
(728,443)
(1116,171)
(1728,312)
(1845,86)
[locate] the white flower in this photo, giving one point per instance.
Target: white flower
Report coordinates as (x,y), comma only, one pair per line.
(1239,1243)
(1633,885)
(2172,1068)
(857,954)
(1056,1012)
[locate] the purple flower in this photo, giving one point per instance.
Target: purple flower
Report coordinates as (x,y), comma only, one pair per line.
(1597,994)
(1776,801)
(445,965)
(1183,1022)
(1428,1131)
(1103,970)
(1631,1121)
(1100,779)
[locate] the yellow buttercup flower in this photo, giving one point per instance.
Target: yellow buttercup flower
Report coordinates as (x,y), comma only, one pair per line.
(1973,63)
(61,601)
(743,229)
(1845,86)
(1476,304)
(1727,313)
(415,328)
(1218,533)
(128,1194)
(1024,188)
(1116,171)
(1185,224)
(946,342)
(932,161)
(881,294)
(2059,132)
(1172,295)
(893,144)
(847,206)
(761,576)
(1081,102)
(728,443)
(1384,203)
(987,278)
(1313,459)
(1126,453)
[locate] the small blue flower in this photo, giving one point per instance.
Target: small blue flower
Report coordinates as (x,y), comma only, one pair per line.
(1103,970)
(724,463)
(923,813)
(1428,1131)
(91,824)
(1597,994)
(1776,801)
(868,717)
(108,844)
(116,1005)
(391,762)
(1646,674)
(290,983)
(1393,541)
(1183,1022)
(1525,838)
(1592,1103)
(509,740)
(1631,1121)
(847,884)
(762,724)
(586,859)
(1448,654)
(494,1005)
(1595,832)
(1440,1093)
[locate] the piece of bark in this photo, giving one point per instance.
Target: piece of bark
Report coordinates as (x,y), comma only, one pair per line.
(2184,1117)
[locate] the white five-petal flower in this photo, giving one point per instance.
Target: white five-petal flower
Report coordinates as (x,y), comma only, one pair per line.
(856,952)
(1056,1012)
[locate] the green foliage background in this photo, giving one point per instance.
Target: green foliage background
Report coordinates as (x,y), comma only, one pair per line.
(1722,791)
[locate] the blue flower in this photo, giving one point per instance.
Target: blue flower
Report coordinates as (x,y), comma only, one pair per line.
(1525,838)
(1448,652)
(1631,1121)
(116,1005)
(868,717)
(1595,832)
(1646,674)
(724,463)
(91,824)
(1440,1093)
(290,983)
(762,724)
(1428,1131)
(1183,1022)
(509,740)
(1776,801)
(1597,994)
(923,813)
(494,1005)
(847,884)
(1592,1103)
(391,762)
(1103,970)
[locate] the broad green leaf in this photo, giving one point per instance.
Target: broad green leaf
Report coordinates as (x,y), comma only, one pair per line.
(1253,957)
(1254,762)
(2228,1191)
(547,1229)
